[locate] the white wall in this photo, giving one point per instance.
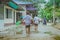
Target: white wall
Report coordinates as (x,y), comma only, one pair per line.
(10,20)
(23,12)
(1,24)
(1,17)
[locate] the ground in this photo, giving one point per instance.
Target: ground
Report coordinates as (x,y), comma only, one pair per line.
(57,26)
(45,32)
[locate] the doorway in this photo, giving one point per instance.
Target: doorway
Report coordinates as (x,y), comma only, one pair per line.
(18,16)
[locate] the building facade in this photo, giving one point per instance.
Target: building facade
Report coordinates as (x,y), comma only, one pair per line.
(10,13)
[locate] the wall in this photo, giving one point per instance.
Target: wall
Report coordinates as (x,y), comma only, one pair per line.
(23,12)
(10,20)
(1,15)
(1,11)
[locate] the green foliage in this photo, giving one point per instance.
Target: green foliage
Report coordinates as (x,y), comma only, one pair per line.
(57,14)
(50,4)
(57,37)
(56,2)
(46,12)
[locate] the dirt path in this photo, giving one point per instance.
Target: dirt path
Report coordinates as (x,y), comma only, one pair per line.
(46,32)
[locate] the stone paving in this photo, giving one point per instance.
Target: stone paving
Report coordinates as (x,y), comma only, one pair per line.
(46,32)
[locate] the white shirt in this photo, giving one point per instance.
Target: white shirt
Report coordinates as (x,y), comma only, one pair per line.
(36,20)
(27,19)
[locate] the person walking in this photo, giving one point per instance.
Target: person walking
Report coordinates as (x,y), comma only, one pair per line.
(44,21)
(36,22)
(27,19)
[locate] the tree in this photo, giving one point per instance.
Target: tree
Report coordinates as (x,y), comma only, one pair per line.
(56,4)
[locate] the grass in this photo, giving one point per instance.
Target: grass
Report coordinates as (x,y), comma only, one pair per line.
(1,37)
(57,37)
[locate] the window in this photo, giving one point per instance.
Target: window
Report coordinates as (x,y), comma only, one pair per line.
(8,13)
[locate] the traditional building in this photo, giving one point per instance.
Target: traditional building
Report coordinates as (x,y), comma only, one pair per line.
(27,6)
(10,13)
(31,9)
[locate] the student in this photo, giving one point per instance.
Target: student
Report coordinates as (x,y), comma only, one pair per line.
(27,19)
(36,22)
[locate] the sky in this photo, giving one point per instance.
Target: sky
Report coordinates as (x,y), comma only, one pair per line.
(47,0)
